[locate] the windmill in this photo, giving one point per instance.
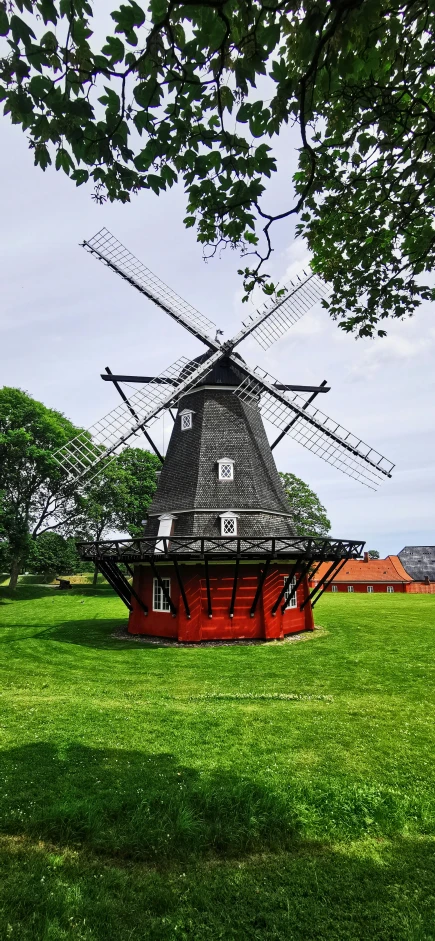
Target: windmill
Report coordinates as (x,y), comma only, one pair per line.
(219,553)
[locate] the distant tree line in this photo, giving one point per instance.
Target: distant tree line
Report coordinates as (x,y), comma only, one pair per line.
(42,514)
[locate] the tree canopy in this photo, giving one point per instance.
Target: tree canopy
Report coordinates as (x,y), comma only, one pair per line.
(197,90)
(37,500)
(35,493)
(308,514)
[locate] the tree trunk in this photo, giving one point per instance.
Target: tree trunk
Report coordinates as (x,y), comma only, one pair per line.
(15,571)
(94,580)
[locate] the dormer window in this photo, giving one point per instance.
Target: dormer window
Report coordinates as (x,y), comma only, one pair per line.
(228,523)
(186,419)
(226,468)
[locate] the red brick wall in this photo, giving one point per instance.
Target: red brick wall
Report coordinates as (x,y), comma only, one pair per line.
(420,588)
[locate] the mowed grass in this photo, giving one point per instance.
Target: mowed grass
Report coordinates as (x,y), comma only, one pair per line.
(279,791)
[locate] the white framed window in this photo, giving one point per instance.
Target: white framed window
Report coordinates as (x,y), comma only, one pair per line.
(334,587)
(160,603)
(293,601)
(350,588)
(186,419)
(226,469)
(370,589)
(228,524)
(390,589)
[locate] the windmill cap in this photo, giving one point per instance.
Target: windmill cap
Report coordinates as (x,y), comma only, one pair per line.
(222,373)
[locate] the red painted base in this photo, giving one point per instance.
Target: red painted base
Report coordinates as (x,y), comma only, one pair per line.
(220,626)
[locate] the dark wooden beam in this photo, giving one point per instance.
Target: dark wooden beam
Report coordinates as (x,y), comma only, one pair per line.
(298,582)
(131,410)
(181,587)
(233,595)
(260,584)
(284,589)
(296,418)
(162,381)
(292,388)
(207,582)
(328,582)
(166,594)
(127,587)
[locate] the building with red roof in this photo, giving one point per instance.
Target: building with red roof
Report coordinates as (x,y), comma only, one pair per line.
(368,576)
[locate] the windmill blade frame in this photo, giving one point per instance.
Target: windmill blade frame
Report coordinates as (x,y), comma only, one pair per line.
(89,450)
(108,249)
(314,430)
(273,321)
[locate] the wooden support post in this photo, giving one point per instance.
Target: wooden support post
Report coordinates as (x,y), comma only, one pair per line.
(181,587)
(113,584)
(166,594)
(233,596)
(207,582)
(328,582)
(260,584)
(284,589)
(305,569)
(127,587)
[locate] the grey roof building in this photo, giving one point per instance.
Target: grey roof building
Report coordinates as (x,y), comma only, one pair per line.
(419,562)
(219,461)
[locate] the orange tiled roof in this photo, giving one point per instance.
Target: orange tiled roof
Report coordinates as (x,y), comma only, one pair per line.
(375,570)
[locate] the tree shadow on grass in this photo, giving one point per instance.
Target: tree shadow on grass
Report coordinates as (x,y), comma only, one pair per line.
(102,844)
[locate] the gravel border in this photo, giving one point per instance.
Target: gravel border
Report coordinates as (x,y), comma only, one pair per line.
(123,634)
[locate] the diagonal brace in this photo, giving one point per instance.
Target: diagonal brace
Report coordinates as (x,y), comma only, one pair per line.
(302,574)
(260,584)
(284,589)
(166,594)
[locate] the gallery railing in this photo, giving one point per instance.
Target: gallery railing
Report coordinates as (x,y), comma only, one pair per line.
(220,547)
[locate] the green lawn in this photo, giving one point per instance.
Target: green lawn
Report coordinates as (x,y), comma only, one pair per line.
(279,791)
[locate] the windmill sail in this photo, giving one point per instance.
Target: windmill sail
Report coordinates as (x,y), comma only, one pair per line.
(108,249)
(274,319)
(314,430)
(85,453)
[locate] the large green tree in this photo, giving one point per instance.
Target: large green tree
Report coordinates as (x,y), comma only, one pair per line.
(308,513)
(35,494)
(51,555)
(118,497)
(194,90)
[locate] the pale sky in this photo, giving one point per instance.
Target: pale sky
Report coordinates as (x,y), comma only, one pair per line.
(64,317)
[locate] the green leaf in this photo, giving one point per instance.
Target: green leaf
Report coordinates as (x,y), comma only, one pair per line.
(80,176)
(63,160)
(158,9)
(21,32)
(4,22)
(114,49)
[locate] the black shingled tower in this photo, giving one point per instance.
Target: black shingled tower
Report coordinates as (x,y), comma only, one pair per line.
(189,487)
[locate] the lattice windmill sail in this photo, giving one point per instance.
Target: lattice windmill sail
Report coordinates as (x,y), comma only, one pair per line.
(271,323)
(293,415)
(314,430)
